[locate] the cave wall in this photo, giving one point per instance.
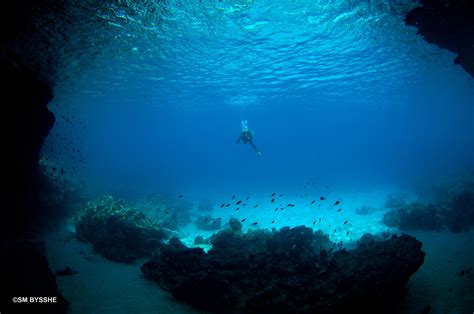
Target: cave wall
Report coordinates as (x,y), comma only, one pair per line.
(26,122)
(30,122)
(448,24)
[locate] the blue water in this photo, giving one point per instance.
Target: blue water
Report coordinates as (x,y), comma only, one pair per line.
(344,100)
(341,92)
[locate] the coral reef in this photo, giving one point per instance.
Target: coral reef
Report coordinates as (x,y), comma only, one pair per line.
(208,223)
(286,271)
(453,210)
(118,232)
(365,210)
(459,211)
(60,193)
(199,240)
(394,201)
(235,225)
(414,216)
(154,207)
(25,273)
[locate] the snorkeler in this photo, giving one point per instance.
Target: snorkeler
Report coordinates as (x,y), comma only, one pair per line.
(246,136)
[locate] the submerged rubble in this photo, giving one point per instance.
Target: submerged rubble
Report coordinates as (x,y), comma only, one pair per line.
(117,231)
(292,270)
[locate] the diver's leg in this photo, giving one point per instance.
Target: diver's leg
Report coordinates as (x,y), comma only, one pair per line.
(255,147)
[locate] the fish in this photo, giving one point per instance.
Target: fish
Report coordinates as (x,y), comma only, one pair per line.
(233,196)
(222,205)
(214,221)
(344,222)
(294,245)
(167,212)
(237,208)
(347,233)
(244,204)
(337,202)
(313,202)
(273,221)
(273,194)
(272,201)
(339,210)
(322,198)
(255,223)
(227,205)
(334,230)
(242,220)
(288,205)
(276,209)
(281,195)
(319,219)
(238,202)
(181,195)
(314,222)
(255,206)
(247,198)
(330,250)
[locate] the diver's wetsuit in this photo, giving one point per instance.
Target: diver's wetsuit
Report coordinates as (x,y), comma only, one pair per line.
(246,137)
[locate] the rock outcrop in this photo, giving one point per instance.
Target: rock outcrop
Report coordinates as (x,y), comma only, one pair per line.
(286,271)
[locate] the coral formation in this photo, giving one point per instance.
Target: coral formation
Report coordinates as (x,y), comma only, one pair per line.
(454,210)
(118,232)
(199,240)
(395,201)
(60,193)
(208,223)
(235,225)
(414,216)
(286,271)
(153,206)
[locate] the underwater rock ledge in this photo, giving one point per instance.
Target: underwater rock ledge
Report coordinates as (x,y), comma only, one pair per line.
(449,24)
(286,271)
(117,231)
